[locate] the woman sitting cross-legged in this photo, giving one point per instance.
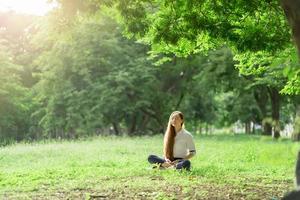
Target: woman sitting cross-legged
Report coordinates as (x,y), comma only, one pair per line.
(179,145)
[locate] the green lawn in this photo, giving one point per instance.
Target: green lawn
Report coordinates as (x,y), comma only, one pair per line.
(225,167)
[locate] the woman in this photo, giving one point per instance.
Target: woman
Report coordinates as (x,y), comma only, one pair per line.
(179,146)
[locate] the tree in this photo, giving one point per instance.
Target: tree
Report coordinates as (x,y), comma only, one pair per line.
(89,78)
(14,107)
(185,28)
(292,12)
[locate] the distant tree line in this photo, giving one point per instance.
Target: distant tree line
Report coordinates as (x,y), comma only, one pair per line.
(119,69)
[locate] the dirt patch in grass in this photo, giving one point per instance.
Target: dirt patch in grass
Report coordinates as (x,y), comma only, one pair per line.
(205,191)
(157,187)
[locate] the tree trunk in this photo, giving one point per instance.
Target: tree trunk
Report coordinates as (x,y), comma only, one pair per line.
(206,128)
(143,124)
(275,101)
(179,101)
(267,128)
(247,127)
(296,131)
(199,128)
(292,12)
(253,128)
(116,128)
(156,117)
(71,133)
(261,98)
(132,128)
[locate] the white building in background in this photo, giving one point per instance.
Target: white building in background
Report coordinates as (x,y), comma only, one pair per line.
(287,130)
(239,127)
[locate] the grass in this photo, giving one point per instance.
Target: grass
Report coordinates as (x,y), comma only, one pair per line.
(226,167)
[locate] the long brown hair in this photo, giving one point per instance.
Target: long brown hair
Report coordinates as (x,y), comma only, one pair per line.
(169,138)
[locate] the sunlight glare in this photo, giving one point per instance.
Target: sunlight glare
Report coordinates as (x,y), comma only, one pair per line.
(33,7)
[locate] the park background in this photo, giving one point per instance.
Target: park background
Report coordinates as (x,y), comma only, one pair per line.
(87,88)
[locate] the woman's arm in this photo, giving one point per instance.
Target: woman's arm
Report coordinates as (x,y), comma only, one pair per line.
(191,148)
(189,156)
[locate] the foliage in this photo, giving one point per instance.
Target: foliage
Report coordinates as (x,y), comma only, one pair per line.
(13,98)
(74,74)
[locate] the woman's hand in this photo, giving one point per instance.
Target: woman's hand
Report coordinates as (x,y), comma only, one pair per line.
(175,162)
(167,164)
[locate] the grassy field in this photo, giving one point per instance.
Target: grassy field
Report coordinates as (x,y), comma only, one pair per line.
(226,167)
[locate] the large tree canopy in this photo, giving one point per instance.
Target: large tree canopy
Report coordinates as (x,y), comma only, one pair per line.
(256,31)
(188,27)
